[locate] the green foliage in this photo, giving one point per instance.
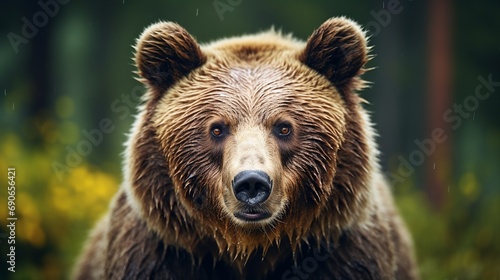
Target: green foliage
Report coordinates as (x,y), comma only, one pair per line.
(54,217)
(460,241)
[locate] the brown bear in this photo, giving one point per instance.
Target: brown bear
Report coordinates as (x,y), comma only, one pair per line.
(251,158)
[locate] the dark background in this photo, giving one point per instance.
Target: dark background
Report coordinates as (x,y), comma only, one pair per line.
(65,69)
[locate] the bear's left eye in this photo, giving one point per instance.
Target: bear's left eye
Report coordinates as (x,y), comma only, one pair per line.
(282,130)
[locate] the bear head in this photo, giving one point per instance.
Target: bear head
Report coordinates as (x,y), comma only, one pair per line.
(248,141)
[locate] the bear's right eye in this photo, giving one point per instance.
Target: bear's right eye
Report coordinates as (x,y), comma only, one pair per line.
(218,131)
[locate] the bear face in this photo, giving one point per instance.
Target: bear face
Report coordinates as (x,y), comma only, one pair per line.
(247,123)
(251,140)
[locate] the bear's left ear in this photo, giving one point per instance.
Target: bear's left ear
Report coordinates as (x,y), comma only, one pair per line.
(337,50)
(165,53)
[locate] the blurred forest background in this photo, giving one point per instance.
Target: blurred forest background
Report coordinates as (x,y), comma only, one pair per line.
(66,65)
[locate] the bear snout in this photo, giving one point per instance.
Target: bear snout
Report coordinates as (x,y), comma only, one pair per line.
(252,187)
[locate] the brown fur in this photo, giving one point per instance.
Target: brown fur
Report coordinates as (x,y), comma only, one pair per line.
(174,216)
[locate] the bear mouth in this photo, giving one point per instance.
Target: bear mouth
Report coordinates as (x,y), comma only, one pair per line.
(252,215)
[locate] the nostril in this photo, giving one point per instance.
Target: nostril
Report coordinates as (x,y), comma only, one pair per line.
(252,186)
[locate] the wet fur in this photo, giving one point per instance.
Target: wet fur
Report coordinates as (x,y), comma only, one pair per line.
(168,220)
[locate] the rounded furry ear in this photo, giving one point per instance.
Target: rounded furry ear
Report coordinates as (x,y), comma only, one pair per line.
(166,52)
(337,50)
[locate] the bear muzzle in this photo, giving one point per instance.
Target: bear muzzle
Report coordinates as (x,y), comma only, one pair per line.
(252,188)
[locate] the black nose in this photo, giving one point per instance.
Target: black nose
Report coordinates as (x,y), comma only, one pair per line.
(252,186)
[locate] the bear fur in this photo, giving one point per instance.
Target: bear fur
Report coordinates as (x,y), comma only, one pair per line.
(263,102)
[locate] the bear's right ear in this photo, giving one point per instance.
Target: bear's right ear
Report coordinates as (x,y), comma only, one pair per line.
(166,52)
